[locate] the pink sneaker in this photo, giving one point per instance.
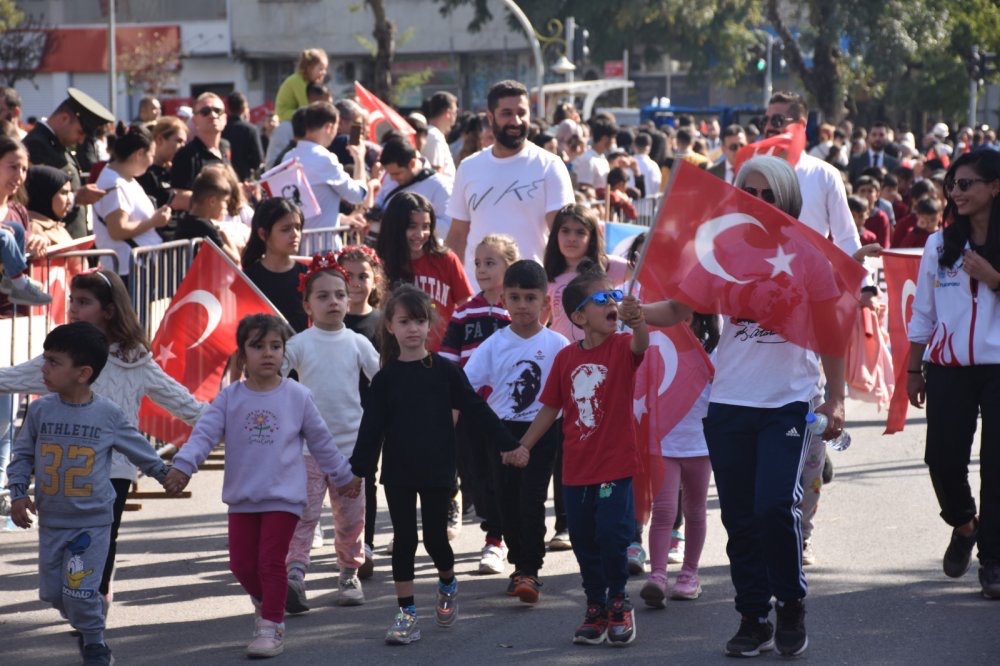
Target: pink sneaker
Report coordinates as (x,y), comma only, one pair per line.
(687,586)
(654,592)
(268,639)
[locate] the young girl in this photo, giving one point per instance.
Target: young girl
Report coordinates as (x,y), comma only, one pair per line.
(19,288)
(264,420)
(472,323)
(364,293)
(100,298)
(411,252)
(408,419)
(328,358)
(267,259)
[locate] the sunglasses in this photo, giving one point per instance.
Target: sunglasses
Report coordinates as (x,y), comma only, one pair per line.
(602,298)
(766,194)
(733,147)
(207,111)
(777,121)
(963,184)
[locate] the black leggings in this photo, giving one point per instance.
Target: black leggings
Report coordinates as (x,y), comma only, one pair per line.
(434,504)
(122,487)
(371,510)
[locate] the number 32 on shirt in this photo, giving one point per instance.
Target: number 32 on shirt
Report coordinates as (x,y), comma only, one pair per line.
(80,462)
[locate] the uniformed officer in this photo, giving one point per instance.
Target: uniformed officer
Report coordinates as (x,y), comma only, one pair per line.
(51,142)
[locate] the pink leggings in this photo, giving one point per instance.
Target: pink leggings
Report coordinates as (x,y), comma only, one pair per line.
(693,474)
(258,544)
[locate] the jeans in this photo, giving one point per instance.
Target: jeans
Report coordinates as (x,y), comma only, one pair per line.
(601,521)
(12,249)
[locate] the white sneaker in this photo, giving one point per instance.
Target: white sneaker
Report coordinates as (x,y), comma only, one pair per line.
(454,519)
(388,548)
(492,559)
(350,592)
(268,639)
(318,536)
(32,293)
(808,555)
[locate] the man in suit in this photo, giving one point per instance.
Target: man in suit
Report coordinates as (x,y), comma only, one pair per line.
(733,138)
(243,138)
(51,143)
(875,156)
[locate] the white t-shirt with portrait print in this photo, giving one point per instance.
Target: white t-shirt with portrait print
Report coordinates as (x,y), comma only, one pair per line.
(128,196)
(515,369)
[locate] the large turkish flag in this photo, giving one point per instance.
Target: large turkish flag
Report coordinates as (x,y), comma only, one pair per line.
(901,270)
(198,334)
(380,112)
(788,145)
(720,250)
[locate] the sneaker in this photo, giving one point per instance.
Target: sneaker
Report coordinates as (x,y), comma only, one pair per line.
(687,586)
(97,654)
(512,585)
(492,559)
(526,589)
(958,556)
(560,541)
(403,630)
(268,639)
(790,634)
(989,578)
(621,622)
(4,506)
(827,469)
(32,293)
(654,592)
(594,629)
(366,570)
(454,520)
(755,635)
(447,607)
(295,598)
(349,591)
(636,559)
(388,548)
(6,285)
(318,536)
(808,556)
(676,553)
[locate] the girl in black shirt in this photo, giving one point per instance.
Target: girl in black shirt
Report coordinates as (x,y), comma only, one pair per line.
(268,260)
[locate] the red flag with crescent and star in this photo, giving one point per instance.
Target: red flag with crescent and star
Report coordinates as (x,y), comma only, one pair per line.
(720,250)
(55,272)
(901,270)
(380,112)
(788,146)
(197,334)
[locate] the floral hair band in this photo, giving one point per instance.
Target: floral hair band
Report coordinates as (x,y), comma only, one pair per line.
(320,263)
(363,249)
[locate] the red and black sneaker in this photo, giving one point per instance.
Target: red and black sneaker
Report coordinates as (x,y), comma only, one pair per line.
(594,629)
(621,622)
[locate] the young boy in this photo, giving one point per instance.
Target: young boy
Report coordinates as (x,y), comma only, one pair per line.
(860,208)
(514,363)
(592,382)
(928,212)
(878,221)
(66,440)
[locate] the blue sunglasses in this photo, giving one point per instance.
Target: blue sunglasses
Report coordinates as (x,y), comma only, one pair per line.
(602,298)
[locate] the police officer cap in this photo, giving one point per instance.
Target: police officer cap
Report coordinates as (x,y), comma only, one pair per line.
(88,110)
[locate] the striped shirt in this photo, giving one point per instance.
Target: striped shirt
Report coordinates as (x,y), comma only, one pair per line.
(470,324)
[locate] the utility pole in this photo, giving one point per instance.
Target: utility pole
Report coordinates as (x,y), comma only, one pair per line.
(769,72)
(570,44)
(975,71)
(112,61)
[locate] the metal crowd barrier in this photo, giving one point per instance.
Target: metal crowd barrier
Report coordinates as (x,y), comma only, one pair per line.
(323,239)
(156,273)
(647,207)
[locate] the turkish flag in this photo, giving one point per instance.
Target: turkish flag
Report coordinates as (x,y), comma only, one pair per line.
(380,112)
(720,250)
(669,381)
(55,273)
(198,334)
(901,270)
(288,180)
(788,145)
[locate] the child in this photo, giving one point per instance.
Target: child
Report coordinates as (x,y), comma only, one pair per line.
(860,207)
(686,464)
(410,407)
(591,381)
(472,323)
(575,236)
(100,298)
(513,365)
(928,213)
(66,441)
(364,293)
(264,421)
(410,252)
(620,202)
(268,257)
(328,358)
(878,222)
(19,288)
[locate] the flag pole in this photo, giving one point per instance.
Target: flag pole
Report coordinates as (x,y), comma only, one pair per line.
(652,228)
(242,275)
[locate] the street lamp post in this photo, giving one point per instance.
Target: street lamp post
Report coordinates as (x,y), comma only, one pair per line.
(536,50)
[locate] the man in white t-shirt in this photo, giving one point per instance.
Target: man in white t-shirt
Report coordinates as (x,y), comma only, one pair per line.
(591,168)
(514,188)
(442,110)
(405,171)
(650,170)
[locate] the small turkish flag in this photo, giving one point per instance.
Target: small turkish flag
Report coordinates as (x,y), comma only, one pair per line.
(380,112)
(288,180)
(788,146)
(901,270)
(198,334)
(56,273)
(720,250)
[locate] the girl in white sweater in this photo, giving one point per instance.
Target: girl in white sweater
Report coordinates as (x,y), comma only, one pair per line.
(100,298)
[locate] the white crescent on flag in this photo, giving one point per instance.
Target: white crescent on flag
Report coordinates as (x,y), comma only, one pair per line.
(704,241)
(212,306)
(668,352)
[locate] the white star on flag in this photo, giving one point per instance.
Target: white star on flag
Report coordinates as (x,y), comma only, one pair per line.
(639,408)
(166,353)
(781,262)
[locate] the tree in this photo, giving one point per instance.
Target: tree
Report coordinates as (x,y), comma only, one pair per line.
(22,43)
(152,64)
(385,49)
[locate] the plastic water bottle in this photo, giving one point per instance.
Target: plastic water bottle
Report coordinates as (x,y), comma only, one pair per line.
(817,425)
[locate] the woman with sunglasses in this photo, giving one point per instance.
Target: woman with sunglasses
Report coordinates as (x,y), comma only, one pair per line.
(757,442)
(955,362)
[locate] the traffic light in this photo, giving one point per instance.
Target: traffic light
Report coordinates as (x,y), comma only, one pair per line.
(988,64)
(581,45)
(757,58)
(975,64)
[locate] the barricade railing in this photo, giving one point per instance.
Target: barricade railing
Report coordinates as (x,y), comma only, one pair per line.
(155,274)
(646,208)
(322,239)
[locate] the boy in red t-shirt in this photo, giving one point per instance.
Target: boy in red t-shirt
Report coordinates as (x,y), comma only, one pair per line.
(592,382)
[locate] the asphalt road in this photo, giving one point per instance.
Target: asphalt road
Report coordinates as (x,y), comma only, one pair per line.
(876,595)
